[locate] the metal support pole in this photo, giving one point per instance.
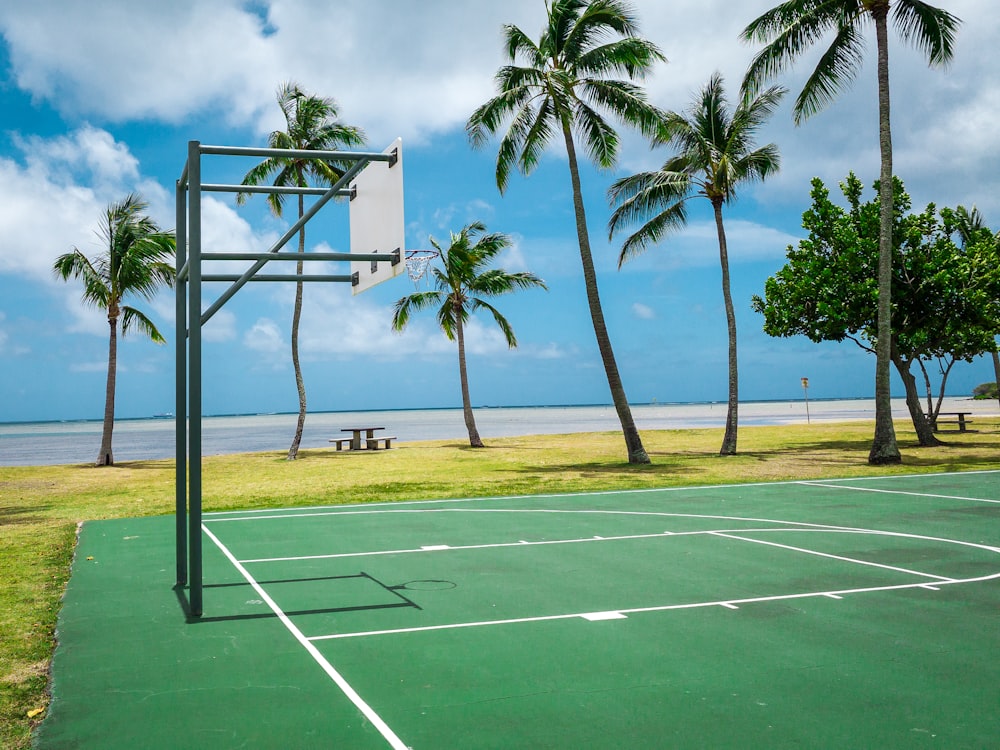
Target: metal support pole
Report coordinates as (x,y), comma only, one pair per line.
(194,375)
(180,403)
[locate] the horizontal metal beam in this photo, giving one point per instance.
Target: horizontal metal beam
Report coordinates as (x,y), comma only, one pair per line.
(271,189)
(392,257)
(292,153)
(347,278)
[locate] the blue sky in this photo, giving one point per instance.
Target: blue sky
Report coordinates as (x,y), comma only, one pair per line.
(97,101)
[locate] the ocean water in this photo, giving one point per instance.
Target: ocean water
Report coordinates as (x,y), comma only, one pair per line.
(39,443)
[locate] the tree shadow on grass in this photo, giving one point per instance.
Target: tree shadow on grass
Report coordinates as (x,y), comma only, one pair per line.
(11,515)
(855,452)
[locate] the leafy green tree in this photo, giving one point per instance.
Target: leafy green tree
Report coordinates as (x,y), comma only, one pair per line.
(945,296)
(462,284)
(715,155)
(987,390)
(971,226)
(558,87)
(788,31)
(135,262)
(311,125)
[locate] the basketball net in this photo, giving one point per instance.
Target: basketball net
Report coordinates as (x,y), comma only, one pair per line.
(417,263)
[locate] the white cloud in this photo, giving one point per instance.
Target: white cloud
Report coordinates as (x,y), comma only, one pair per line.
(265,336)
(88,152)
(54,202)
(391,71)
(90,366)
(643,312)
(221,327)
(698,245)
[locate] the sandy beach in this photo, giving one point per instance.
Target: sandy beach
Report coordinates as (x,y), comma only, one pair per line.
(40,443)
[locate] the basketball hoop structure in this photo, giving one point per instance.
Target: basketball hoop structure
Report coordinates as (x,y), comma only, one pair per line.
(417,263)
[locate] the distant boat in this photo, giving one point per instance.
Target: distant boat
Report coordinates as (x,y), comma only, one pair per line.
(164,415)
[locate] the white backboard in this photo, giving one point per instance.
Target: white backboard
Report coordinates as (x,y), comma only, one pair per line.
(376,216)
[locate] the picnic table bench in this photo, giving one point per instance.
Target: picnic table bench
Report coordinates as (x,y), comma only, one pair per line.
(370,439)
(957,418)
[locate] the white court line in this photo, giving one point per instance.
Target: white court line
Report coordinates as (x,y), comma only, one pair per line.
(833,557)
(728,603)
(212,516)
(456,548)
(898,492)
(352,695)
(796,527)
(636,491)
(540,543)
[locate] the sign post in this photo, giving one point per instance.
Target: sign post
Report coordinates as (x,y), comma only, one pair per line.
(805,390)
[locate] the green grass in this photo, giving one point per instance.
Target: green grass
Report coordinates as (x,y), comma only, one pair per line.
(42,506)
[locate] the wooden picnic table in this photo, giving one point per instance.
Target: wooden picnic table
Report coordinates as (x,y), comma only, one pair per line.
(959,418)
(370,440)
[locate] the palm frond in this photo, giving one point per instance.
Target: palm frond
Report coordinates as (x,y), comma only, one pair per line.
(134,262)
(406,306)
(640,195)
(625,101)
(502,323)
(133,319)
(96,291)
(787,30)
(837,68)
(512,144)
(931,30)
(520,45)
(538,137)
(631,56)
(599,138)
(653,231)
(599,19)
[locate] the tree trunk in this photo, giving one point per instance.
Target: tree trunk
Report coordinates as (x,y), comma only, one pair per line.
(996,371)
(732,414)
(106,456)
(945,371)
(921,425)
(633,443)
(931,415)
(884,449)
(293,451)
(470,421)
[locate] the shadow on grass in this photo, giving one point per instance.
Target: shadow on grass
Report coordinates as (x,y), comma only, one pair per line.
(11,515)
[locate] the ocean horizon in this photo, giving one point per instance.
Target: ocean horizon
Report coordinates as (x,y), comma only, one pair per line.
(144,438)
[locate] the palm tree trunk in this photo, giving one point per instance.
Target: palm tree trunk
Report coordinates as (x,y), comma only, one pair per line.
(293,451)
(884,449)
(732,414)
(106,457)
(470,420)
(633,443)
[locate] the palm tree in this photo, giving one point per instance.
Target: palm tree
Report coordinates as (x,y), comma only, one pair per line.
(787,31)
(715,155)
(311,125)
(461,285)
(135,261)
(560,90)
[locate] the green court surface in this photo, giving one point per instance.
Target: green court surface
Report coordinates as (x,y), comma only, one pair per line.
(821,614)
